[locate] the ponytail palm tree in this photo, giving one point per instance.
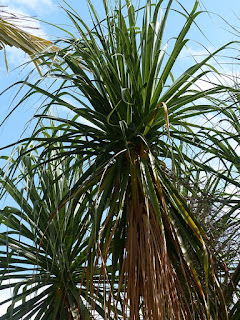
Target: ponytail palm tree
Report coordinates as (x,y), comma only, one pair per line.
(46,277)
(139,125)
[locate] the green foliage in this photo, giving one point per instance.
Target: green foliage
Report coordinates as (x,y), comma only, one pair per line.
(118,214)
(44,247)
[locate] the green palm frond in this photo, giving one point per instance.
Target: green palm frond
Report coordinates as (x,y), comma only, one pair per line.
(44,255)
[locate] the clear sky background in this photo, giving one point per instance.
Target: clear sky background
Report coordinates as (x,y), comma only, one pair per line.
(215,29)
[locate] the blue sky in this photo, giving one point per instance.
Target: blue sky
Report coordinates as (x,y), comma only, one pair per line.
(217,31)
